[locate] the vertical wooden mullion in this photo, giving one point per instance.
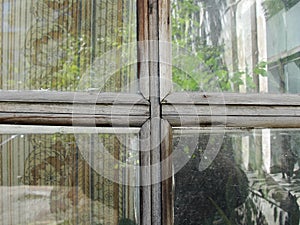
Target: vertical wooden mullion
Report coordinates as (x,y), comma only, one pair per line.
(145,179)
(165,84)
(155,83)
(144,136)
(165,48)
(143,48)
(167,174)
(155,112)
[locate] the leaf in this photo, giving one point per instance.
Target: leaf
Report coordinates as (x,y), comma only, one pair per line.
(221,212)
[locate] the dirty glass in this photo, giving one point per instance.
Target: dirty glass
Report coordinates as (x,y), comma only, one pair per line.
(237,177)
(70,45)
(234,46)
(64,178)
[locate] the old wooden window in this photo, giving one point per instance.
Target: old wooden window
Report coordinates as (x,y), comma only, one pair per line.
(124,112)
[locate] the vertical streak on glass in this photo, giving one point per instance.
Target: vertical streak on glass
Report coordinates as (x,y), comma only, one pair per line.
(7,36)
(78,32)
(93,40)
(127,32)
(1,141)
(14,44)
(1,44)
(110,33)
(102,179)
(87,32)
(116,151)
(8,181)
(76,203)
(9,163)
(117,18)
(1,163)
(19,163)
(123,193)
(23,45)
(127,177)
(105,41)
(63,48)
(54,36)
(20,147)
(124,38)
(91,178)
(27,52)
(33,36)
(11,45)
(37,77)
(20,27)
(69,42)
(49,56)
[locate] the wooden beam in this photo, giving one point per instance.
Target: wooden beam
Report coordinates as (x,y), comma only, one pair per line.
(70,108)
(75,109)
(234,121)
(30,129)
(232,110)
(202,98)
(92,97)
(71,120)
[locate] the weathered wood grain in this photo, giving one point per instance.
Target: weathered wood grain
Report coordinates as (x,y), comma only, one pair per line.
(156,200)
(235,121)
(165,48)
(71,120)
(145,181)
(75,109)
(232,110)
(66,108)
(201,98)
(30,129)
(167,174)
(92,97)
(143,47)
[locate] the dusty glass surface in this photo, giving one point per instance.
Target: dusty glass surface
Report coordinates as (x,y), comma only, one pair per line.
(67,179)
(68,45)
(236,46)
(252,177)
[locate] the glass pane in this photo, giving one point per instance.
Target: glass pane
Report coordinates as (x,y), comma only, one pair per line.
(237,177)
(233,46)
(63,178)
(68,45)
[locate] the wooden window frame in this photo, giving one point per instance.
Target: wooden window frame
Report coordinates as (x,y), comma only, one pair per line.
(155,111)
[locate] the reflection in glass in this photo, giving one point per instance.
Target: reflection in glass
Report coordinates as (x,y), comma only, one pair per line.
(48,179)
(254,178)
(50,44)
(230,45)
(284,75)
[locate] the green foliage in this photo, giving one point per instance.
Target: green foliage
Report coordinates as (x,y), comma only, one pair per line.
(202,70)
(260,69)
(202,67)
(68,70)
(272,7)
(221,212)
